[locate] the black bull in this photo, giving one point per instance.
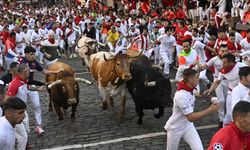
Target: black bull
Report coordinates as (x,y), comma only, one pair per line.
(145,95)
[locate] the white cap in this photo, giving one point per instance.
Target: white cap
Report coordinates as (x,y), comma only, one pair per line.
(118,20)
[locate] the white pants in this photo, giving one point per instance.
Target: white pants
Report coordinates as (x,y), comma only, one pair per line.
(39,54)
(148,53)
(228,116)
(157,55)
(20,50)
(167,58)
(104,37)
(203,76)
(1,60)
(221,93)
(9,61)
(1,112)
(111,47)
(34,97)
(189,134)
(22,134)
(179,48)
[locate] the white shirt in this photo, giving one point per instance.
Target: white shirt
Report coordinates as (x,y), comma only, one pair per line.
(238,37)
(217,63)
(199,47)
(19,38)
(43,32)
(232,76)
(72,36)
(7,135)
(239,93)
(167,42)
(245,45)
(183,105)
(35,38)
(26,37)
(162,30)
(188,33)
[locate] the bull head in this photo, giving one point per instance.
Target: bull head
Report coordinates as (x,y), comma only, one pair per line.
(57,82)
(86,47)
(149,84)
(70,88)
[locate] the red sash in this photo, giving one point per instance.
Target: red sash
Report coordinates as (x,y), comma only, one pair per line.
(70,32)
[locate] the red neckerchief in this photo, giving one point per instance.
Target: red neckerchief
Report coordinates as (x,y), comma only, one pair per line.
(248,40)
(228,69)
(51,40)
(183,86)
(17,77)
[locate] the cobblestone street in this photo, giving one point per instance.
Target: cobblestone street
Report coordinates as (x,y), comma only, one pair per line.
(98,129)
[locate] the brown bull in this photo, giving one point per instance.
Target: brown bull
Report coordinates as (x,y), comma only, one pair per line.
(110,72)
(63,89)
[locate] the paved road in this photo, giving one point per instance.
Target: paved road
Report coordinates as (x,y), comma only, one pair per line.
(98,129)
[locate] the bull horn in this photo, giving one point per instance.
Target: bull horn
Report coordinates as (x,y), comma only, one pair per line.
(105,58)
(157,67)
(152,83)
(54,83)
(148,84)
(83,80)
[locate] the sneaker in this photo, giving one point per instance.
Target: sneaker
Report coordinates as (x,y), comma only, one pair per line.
(39,130)
(74,55)
(71,56)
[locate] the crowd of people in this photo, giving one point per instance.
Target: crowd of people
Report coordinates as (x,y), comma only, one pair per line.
(193,37)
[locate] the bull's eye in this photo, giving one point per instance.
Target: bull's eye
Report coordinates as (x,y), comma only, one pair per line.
(118,64)
(63,89)
(75,86)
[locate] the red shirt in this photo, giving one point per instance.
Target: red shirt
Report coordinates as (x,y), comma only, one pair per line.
(10,44)
(78,19)
(4,35)
(233,47)
(180,34)
(230,138)
(221,41)
(208,53)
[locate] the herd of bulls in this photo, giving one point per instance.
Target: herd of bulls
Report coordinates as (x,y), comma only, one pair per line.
(114,74)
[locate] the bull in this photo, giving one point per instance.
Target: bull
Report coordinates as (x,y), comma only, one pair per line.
(63,89)
(110,71)
(148,87)
(86,47)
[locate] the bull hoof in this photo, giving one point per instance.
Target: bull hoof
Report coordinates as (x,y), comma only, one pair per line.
(157,116)
(60,118)
(111,102)
(120,118)
(139,122)
(73,119)
(50,109)
(104,105)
